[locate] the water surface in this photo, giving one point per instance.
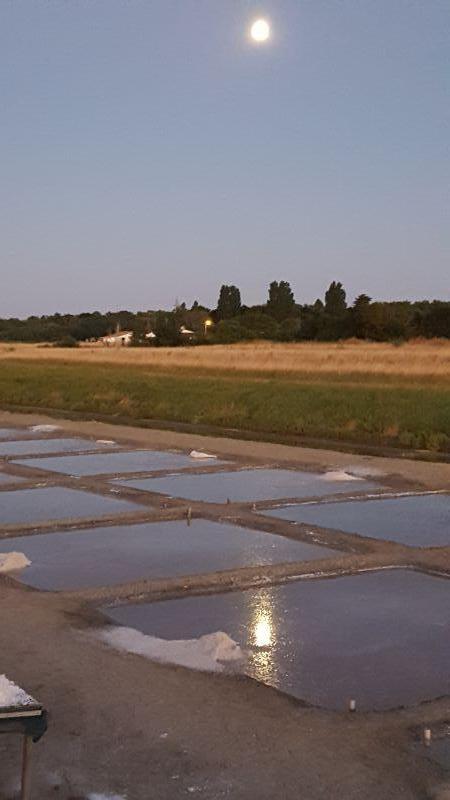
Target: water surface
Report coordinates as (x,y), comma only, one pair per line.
(418,521)
(6,478)
(110,555)
(249,485)
(57,503)
(10,433)
(380,638)
(118,462)
(36,446)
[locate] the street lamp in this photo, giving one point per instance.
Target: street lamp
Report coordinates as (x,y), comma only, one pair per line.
(208,323)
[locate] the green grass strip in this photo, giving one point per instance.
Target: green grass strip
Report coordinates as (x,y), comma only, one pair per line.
(416,416)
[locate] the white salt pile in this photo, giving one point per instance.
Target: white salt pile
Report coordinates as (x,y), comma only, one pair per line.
(340,475)
(44,428)
(97,796)
(207,653)
(9,562)
(200,454)
(365,471)
(12,695)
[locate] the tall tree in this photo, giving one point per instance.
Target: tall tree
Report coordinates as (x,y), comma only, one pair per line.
(335,299)
(362,316)
(229,303)
(281,302)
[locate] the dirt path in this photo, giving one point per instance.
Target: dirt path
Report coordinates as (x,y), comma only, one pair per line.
(429,474)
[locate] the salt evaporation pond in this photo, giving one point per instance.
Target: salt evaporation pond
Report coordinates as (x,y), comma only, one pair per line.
(418,521)
(57,503)
(249,485)
(37,446)
(381,638)
(111,555)
(118,462)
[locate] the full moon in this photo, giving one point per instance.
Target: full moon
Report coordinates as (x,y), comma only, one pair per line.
(260,30)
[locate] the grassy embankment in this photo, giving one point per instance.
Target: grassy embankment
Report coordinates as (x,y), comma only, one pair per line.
(336,392)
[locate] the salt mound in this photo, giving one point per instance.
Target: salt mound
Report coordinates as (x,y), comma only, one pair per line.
(12,561)
(12,695)
(97,796)
(207,653)
(44,428)
(366,472)
(200,454)
(339,475)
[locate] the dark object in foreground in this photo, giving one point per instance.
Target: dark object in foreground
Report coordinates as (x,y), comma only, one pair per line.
(29,720)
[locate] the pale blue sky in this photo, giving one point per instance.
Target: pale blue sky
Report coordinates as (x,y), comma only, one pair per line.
(150,152)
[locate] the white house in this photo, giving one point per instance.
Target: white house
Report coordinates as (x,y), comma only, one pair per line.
(120,338)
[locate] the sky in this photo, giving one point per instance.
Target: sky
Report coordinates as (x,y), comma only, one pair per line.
(151,152)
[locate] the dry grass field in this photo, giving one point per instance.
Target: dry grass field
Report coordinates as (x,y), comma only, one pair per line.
(413,359)
(377,394)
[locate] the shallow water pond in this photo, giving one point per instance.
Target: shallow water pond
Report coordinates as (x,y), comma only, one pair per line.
(380,638)
(110,555)
(418,521)
(249,485)
(36,446)
(57,503)
(118,462)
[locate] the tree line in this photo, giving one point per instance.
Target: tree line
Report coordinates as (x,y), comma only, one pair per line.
(281,318)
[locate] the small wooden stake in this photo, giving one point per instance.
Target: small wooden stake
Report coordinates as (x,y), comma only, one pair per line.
(26,775)
(427,736)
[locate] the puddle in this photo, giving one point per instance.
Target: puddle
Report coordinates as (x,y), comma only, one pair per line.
(39,505)
(36,446)
(105,556)
(438,751)
(249,485)
(422,521)
(115,462)
(380,638)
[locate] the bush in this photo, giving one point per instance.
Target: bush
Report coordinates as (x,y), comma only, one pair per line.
(67,341)
(227,331)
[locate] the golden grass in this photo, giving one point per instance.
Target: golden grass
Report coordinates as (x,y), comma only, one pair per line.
(413,359)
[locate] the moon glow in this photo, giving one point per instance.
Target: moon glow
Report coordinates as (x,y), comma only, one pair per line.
(260,30)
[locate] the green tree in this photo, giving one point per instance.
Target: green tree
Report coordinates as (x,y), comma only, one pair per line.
(166,328)
(335,299)
(437,319)
(227,331)
(361,316)
(229,303)
(290,329)
(281,302)
(258,325)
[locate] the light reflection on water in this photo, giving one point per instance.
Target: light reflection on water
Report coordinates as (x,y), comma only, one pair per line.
(262,637)
(380,638)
